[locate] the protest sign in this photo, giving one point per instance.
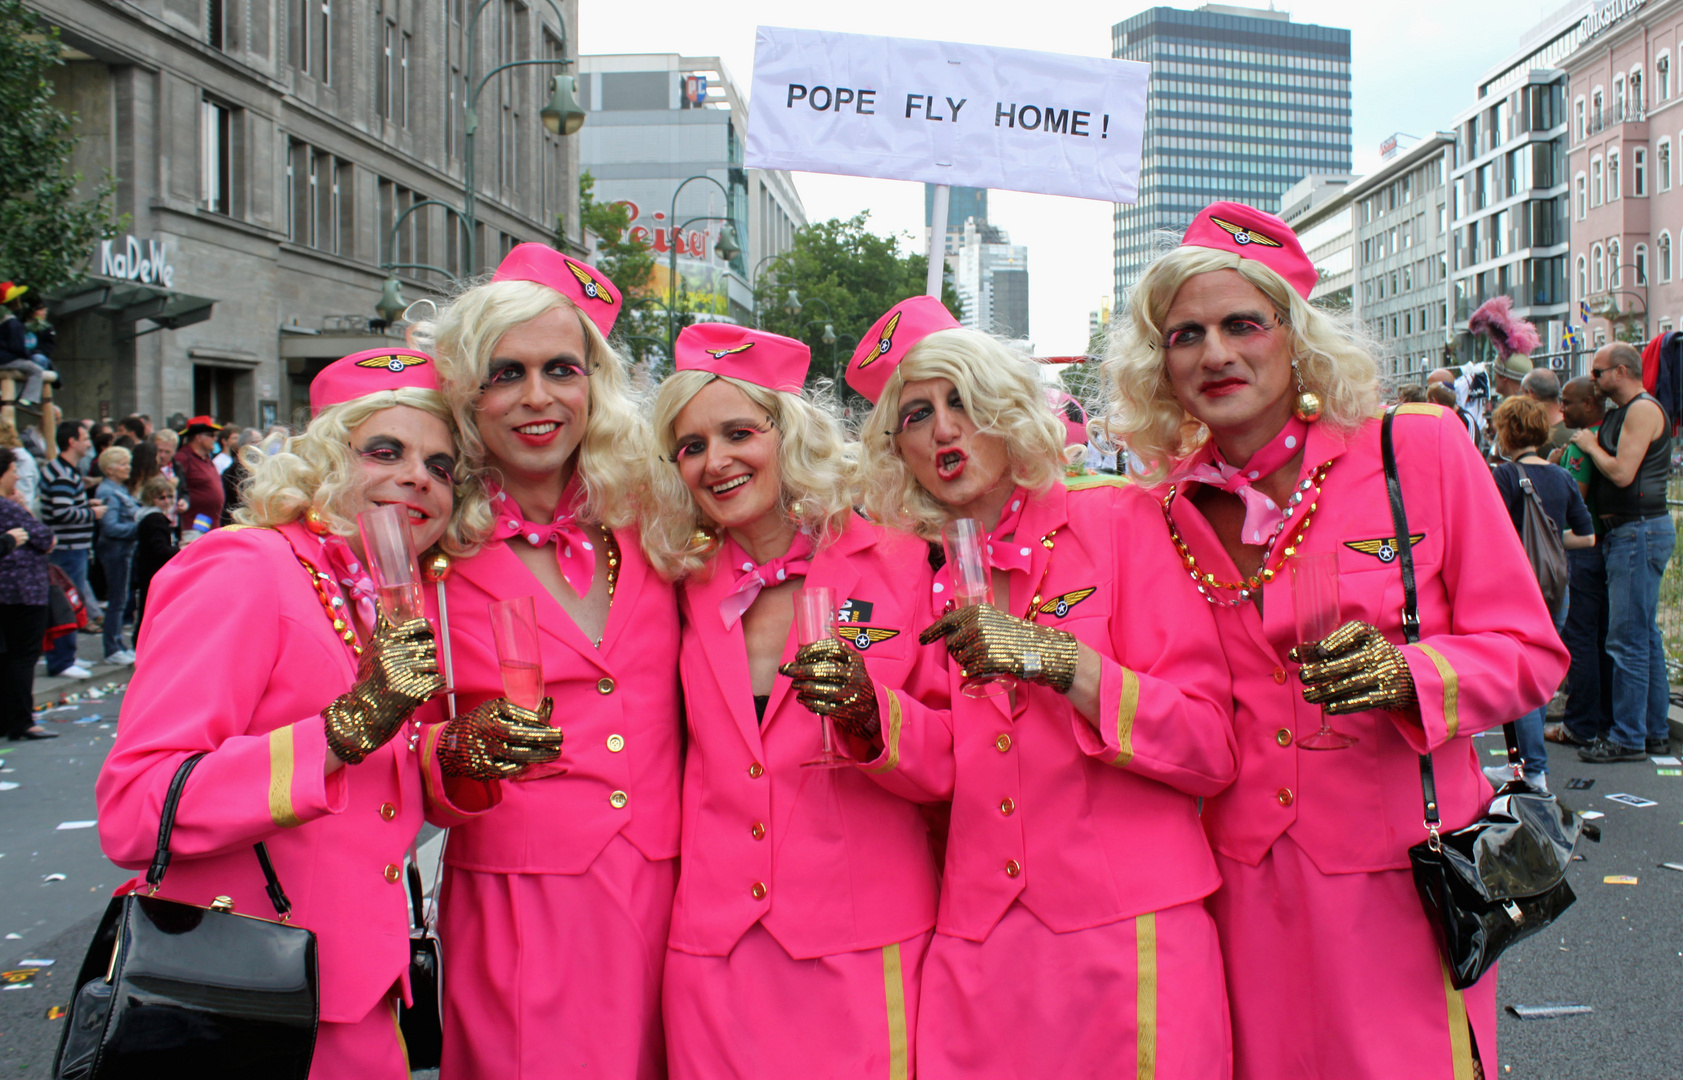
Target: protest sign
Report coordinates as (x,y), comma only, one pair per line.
(946,113)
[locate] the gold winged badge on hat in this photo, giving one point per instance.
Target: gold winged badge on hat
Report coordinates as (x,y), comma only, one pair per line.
(1243,236)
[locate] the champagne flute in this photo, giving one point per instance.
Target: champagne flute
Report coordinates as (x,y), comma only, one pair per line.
(389,548)
(514,630)
(1314,593)
(967,559)
(815,618)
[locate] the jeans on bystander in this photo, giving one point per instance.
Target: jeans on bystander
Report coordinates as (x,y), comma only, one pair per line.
(1637,553)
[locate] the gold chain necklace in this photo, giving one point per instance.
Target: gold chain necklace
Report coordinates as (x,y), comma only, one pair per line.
(337,614)
(1247,589)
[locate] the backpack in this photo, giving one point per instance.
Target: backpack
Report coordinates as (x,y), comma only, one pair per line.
(1543,545)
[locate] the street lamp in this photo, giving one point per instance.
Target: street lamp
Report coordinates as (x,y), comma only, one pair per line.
(391,305)
(562,116)
(727,247)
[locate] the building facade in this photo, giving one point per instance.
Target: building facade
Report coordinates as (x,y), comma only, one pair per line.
(262,152)
(1626,125)
(1509,184)
(655,121)
(963,204)
(990,275)
(1243,103)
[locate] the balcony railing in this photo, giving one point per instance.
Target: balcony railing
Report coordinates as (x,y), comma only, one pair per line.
(1602,119)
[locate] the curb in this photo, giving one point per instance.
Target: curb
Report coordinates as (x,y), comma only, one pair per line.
(56,688)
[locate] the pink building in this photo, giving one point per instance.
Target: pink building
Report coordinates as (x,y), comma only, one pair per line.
(1626,114)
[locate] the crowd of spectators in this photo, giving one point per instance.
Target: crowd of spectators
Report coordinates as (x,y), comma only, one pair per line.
(107,506)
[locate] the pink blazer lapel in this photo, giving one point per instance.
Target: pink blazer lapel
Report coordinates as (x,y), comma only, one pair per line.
(830,567)
(727,654)
(501,574)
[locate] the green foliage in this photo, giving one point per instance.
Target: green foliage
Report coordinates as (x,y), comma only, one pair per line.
(628,263)
(46,232)
(845,276)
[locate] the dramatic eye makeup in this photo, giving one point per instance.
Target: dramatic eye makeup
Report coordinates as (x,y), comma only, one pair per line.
(920,410)
(1239,324)
(509,372)
(390,451)
(735,432)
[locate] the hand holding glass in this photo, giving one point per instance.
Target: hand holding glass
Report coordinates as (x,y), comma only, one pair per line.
(1314,593)
(972,577)
(389,549)
(815,619)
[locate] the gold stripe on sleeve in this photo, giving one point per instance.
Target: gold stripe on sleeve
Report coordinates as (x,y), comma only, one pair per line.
(891,738)
(429,750)
(1145,1012)
(1451,689)
(894,988)
(1125,710)
(1460,1038)
(281,763)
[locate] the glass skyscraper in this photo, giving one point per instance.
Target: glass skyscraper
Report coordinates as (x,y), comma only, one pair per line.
(1243,104)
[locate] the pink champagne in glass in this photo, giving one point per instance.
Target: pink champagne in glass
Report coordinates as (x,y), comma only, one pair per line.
(514,630)
(815,618)
(972,577)
(1314,593)
(389,549)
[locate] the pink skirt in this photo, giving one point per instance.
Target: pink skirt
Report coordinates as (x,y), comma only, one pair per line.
(370,1049)
(556,975)
(1139,997)
(760,1013)
(1338,977)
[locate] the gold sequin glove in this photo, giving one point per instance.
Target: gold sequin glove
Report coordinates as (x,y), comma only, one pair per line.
(397,674)
(498,740)
(830,679)
(1354,669)
(986,641)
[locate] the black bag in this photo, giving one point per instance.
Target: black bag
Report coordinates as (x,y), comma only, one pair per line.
(1543,545)
(1502,878)
(422,1023)
(175,990)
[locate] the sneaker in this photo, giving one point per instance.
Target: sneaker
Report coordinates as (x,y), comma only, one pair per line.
(1539,781)
(75,671)
(1660,747)
(120,658)
(1606,751)
(1498,775)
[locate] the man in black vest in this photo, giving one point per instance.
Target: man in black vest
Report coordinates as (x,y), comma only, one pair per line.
(1632,457)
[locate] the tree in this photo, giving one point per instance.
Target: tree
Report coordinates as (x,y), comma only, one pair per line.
(852,272)
(47,233)
(628,263)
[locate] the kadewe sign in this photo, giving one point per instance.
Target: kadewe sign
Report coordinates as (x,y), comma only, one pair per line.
(946,113)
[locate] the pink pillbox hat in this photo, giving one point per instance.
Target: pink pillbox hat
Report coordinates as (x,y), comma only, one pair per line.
(769,360)
(369,372)
(1254,234)
(583,284)
(891,337)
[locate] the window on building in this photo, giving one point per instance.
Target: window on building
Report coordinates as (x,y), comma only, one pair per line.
(216,138)
(1663,247)
(1638,171)
(1580,186)
(318,199)
(1640,264)
(1583,277)
(1578,120)
(403,80)
(216,24)
(1598,270)
(1597,186)
(385,58)
(1618,99)
(1662,164)
(312,37)
(1613,186)
(1637,102)
(1615,268)
(1597,111)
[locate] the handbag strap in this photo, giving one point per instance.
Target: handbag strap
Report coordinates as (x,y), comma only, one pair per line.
(1411,620)
(166,826)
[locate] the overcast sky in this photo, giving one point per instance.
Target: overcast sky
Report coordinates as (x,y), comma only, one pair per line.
(1414,65)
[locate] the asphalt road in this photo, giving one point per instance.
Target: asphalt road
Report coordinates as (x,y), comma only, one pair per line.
(1619,949)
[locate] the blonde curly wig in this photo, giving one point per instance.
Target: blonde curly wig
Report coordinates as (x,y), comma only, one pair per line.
(317,470)
(615,452)
(813,462)
(1001,396)
(1333,356)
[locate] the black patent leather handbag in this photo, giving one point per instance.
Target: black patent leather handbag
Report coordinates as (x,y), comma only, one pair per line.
(1503,878)
(422,1023)
(180,991)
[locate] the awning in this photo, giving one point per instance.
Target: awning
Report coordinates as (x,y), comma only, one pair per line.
(128,302)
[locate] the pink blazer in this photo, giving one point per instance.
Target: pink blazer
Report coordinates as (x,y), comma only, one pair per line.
(253,699)
(1488,651)
(617,706)
(1089,827)
(840,862)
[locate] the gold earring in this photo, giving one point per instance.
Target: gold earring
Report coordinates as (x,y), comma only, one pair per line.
(703,542)
(1308,408)
(796,510)
(314,522)
(435,567)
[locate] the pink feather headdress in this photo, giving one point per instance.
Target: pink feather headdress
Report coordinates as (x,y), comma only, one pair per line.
(1495,319)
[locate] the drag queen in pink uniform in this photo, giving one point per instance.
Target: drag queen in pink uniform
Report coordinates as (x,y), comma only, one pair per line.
(1333,972)
(807,895)
(306,712)
(555,906)
(1072,940)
